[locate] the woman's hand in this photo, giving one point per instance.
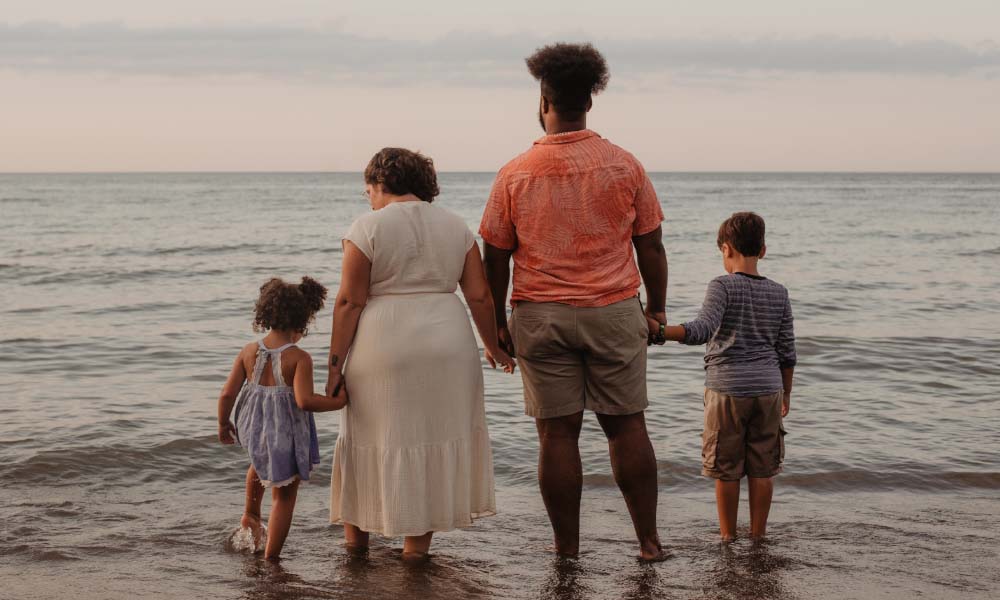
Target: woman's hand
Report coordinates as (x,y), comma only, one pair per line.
(334,383)
(227,433)
(498,355)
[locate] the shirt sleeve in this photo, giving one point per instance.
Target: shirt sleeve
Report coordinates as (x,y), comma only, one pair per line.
(648,214)
(785,345)
(700,330)
(497,226)
(360,235)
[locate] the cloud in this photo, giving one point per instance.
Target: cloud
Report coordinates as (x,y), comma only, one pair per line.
(466,59)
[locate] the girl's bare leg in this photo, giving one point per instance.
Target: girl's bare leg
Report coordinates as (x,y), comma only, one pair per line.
(355,539)
(280,521)
(727,497)
(251,510)
(761,490)
(415,547)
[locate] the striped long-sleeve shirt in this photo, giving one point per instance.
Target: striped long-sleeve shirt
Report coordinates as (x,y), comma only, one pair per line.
(746,321)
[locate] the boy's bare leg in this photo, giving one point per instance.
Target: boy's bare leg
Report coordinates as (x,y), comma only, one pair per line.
(280,521)
(560,477)
(634,465)
(251,510)
(761,490)
(727,498)
(355,539)
(415,547)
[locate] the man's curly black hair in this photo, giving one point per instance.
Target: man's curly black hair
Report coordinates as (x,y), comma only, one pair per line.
(569,74)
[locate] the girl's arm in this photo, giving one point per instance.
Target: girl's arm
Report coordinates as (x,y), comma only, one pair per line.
(480,300)
(305,396)
(227,432)
(351,300)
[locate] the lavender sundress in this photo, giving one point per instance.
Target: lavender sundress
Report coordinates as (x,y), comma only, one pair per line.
(279,436)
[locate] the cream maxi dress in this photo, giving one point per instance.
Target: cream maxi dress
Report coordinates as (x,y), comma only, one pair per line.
(413,454)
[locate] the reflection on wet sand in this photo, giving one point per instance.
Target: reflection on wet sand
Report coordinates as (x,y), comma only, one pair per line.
(748,570)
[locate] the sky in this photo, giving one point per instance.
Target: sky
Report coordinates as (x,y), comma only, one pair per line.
(301,85)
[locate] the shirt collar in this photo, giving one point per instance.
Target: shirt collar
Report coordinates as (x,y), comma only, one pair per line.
(567,138)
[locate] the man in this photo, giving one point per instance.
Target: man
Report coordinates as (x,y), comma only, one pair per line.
(569,211)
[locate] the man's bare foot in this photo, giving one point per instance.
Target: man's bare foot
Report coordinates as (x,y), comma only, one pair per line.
(653,553)
(563,553)
(257,530)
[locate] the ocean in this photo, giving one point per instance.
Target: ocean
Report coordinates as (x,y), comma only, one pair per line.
(125,297)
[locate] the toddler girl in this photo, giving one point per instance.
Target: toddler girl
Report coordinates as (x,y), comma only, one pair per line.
(271,385)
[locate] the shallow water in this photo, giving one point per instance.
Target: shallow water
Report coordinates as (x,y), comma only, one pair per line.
(124,298)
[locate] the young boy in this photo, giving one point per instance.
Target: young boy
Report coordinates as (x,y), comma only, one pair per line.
(746,321)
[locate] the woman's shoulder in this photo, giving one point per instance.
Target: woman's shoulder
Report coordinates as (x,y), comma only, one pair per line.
(448,217)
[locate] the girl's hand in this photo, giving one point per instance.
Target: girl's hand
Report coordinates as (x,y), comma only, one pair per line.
(498,355)
(227,433)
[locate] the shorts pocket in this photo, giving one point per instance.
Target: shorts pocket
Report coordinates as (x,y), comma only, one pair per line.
(710,450)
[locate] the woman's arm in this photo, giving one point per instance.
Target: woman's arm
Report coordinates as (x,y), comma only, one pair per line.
(479,297)
(351,300)
(237,375)
(305,396)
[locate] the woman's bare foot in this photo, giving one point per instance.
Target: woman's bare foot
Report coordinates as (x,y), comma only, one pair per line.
(416,558)
(257,530)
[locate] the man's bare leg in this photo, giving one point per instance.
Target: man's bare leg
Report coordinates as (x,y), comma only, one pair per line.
(727,498)
(761,489)
(634,465)
(560,477)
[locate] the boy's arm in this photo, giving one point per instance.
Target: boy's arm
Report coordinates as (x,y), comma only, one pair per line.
(786,381)
(305,394)
(700,330)
(237,375)
(787,358)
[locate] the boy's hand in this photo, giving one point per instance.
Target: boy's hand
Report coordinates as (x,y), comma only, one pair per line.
(656,322)
(227,433)
(786,403)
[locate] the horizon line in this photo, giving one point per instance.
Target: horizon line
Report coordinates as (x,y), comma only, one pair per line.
(488,172)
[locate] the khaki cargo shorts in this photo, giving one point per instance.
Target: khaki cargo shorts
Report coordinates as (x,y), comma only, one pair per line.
(574,357)
(742,436)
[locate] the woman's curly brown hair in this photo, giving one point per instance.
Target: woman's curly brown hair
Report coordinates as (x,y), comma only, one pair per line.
(569,74)
(401,171)
(288,307)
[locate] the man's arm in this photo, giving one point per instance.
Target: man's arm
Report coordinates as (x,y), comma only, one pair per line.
(496,261)
(652,259)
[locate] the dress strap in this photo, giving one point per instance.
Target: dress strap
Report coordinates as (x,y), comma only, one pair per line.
(274,354)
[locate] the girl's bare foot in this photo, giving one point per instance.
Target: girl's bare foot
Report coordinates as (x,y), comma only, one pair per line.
(257,530)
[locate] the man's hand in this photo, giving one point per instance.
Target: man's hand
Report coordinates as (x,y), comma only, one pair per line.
(656,322)
(786,403)
(505,340)
(227,433)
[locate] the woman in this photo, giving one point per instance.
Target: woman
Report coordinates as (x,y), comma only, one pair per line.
(413,456)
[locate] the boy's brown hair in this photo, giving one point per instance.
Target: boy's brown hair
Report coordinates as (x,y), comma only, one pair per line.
(744,232)
(288,307)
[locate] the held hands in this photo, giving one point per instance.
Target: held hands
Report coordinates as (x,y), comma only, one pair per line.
(336,388)
(786,403)
(657,322)
(227,433)
(505,340)
(499,355)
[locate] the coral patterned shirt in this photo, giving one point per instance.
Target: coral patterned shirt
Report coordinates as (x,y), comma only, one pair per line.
(568,208)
